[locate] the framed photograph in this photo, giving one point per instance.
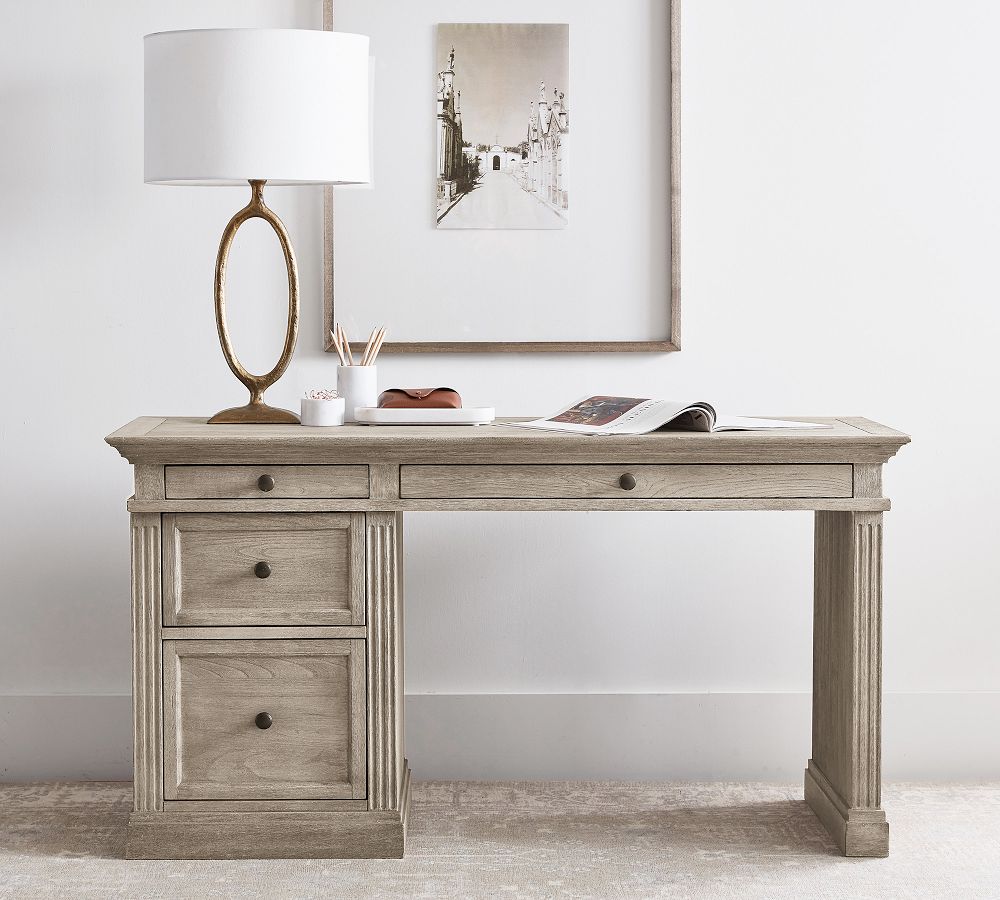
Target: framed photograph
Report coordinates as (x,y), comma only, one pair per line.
(526,193)
(499,165)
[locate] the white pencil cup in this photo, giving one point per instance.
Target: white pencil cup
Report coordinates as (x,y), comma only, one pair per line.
(358,385)
(322,412)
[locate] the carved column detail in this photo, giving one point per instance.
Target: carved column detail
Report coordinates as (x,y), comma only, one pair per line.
(385,660)
(867,661)
(843,781)
(147,698)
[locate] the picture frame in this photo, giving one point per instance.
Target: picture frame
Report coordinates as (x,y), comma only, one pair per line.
(667,339)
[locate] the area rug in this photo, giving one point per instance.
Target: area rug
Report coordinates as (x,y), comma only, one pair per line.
(536,840)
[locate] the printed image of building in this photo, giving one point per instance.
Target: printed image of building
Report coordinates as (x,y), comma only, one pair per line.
(456,168)
(499,159)
(494,169)
(548,149)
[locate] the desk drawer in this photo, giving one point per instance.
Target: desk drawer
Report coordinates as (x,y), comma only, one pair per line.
(265,482)
(310,696)
(263,569)
(625,482)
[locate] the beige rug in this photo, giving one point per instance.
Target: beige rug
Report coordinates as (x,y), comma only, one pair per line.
(529,840)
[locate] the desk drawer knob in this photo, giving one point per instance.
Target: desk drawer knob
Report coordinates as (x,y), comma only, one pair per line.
(263,721)
(262,570)
(265,483)
(627,482)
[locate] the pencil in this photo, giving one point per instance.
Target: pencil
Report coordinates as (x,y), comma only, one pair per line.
(377,347)
(347,345)
(368,346)
(336,346)
(370,350)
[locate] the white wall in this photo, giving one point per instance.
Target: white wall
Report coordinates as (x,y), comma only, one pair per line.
(840,220)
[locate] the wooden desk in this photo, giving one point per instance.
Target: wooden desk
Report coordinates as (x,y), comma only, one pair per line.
(267,609)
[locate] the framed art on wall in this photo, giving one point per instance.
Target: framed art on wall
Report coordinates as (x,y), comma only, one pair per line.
(526,190)
(522,179)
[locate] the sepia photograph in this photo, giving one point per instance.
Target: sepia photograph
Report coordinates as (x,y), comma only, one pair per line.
(502,126)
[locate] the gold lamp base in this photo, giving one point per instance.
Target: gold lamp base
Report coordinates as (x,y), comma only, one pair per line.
(256,412)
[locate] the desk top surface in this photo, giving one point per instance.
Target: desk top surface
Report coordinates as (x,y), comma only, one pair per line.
(190,441)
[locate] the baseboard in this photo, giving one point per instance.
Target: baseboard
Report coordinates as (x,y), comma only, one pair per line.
(78,737)
(739,737)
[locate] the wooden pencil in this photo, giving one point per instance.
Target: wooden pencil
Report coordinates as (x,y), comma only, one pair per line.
(377,347)
(347,345)
(370,349)
(336,346)
(368,346)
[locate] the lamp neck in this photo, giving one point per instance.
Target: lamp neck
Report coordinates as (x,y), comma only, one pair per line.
(257,192)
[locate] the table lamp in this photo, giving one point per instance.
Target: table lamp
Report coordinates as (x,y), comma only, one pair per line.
(229,106)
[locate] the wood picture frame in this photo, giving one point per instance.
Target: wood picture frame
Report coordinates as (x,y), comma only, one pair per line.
(669,342)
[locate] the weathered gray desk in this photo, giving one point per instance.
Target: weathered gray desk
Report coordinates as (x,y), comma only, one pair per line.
(267,608)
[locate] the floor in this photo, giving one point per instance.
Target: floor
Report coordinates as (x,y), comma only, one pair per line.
(540,839)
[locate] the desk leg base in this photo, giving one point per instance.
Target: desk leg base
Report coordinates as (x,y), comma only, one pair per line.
(179,834)
(857,831)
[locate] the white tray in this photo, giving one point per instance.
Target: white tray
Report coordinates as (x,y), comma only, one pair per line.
(473,415)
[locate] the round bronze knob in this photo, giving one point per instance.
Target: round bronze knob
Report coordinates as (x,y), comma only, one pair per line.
(265,483)
(262,570)
(627,482)
(263,721)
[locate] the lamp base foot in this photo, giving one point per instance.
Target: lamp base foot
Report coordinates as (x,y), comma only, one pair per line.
(254,414)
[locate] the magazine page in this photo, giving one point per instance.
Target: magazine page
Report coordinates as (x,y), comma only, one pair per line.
(602,414)
(746,423)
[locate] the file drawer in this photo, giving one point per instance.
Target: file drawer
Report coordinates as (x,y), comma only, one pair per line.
(265,482)
(264,720)
(263,569)
(625,482)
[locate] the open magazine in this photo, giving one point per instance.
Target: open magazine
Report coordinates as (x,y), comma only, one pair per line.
(634,415)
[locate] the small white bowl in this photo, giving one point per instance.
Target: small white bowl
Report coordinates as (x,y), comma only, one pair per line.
(323,412)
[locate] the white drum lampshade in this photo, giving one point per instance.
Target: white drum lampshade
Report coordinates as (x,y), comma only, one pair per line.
(229,106)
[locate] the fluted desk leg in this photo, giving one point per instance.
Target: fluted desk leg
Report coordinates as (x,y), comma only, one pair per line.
(388,774)
(843,779)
